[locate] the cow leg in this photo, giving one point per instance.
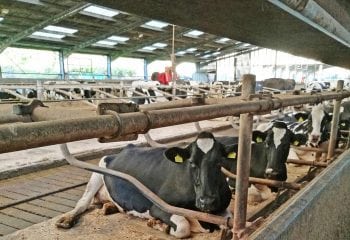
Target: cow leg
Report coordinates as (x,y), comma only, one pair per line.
(179,225)
(69,219)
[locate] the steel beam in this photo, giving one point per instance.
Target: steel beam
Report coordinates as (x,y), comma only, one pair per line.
(91,41)
(52,20)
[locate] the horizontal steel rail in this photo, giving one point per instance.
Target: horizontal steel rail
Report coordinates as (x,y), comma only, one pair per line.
(20,136)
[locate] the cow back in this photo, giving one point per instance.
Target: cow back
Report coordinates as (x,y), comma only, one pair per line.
(170,181)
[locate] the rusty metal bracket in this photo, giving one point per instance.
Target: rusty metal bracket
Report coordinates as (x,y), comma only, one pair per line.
(260,96)
(27,109)
(114,109)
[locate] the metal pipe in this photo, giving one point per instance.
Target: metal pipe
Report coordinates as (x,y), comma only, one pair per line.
(312,149)
(147,192)
(309,163)
(19,136)
(311,13)
(56,113)
(335,121)
(267,182)
(14,94)
(141,122)
(10,118)
(243,162)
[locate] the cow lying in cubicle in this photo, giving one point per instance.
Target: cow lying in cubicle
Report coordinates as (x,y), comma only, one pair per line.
(188,177)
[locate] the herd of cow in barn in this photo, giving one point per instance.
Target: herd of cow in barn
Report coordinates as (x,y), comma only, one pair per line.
(190,176)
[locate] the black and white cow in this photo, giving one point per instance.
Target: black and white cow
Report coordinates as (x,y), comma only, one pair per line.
(184,177)
(269,152)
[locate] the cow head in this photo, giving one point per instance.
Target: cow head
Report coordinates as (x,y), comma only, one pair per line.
(277,142)
(203,159)
(318,130)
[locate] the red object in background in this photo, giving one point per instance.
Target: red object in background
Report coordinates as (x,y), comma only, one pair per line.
(163,78)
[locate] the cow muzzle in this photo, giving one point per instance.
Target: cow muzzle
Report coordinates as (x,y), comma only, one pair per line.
(271,173)
(314,140)
(205,204)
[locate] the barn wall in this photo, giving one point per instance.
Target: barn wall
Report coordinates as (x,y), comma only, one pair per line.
(320,211)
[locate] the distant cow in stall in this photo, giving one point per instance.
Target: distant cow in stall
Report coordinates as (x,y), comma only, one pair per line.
(316,124)
(184,177)
(145,88)
(6,96)
(279,83)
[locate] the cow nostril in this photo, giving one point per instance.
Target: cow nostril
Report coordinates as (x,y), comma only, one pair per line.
(315,137)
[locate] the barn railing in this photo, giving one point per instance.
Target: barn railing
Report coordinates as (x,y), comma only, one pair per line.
(53,129)
(19,136)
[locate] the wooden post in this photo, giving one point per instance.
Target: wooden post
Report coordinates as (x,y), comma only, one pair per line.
(244,155)
(335,122)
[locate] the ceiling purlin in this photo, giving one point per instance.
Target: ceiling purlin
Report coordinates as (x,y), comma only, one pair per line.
(52,20)
(159,38)
(91,41)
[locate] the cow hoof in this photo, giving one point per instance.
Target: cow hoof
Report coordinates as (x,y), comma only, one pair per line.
(109,208)
(66,222)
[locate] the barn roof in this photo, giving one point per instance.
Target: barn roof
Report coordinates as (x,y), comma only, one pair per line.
(77,26)
(205,30)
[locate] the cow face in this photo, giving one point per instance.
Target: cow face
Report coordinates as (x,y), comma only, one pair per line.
(277,142)
(203,159)
(319,128)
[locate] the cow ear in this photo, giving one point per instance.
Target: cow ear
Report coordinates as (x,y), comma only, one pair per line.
(301,117)
(231,152)
(177,155)
(298,139)
(258,136)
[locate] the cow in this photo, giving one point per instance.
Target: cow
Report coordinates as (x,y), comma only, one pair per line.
(279,83)
(184,177)
(269,152)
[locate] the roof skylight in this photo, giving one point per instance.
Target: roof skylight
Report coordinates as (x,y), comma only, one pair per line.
(48,35)
(181,53)
(206,56)
(193,33)
(104,42)
(1,18)
(149,48)
(60,29)
(118,38)
(191,50)
(222,40)
(107,12)
(159,45)
(155,25)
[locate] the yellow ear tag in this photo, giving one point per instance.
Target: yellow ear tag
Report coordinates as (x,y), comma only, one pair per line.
(178,158)
(300,119)
(231,155)
(296,143)
(259,140)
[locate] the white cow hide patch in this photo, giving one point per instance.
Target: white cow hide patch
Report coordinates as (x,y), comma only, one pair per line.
(205,144)
(278,134)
